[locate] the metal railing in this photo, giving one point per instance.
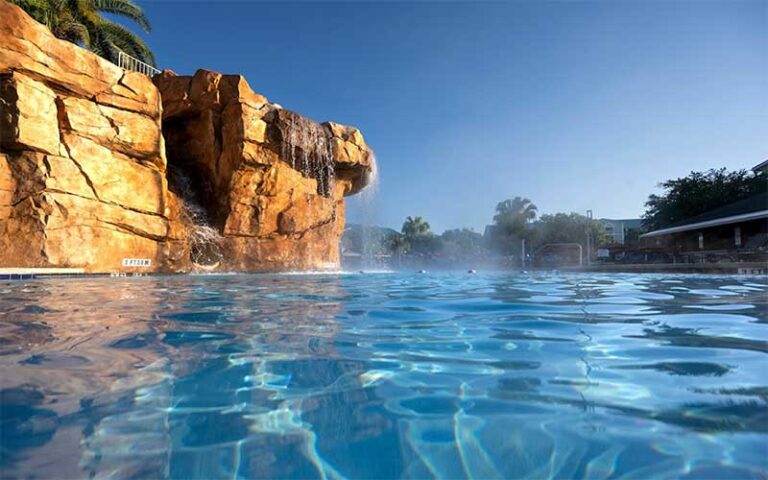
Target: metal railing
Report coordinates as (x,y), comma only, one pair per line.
(127,62)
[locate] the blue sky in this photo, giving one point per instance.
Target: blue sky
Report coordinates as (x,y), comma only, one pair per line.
(575,105)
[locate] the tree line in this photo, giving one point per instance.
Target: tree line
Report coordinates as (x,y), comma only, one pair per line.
(700,192)
(517,220)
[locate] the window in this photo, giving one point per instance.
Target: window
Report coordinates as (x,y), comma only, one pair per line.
(701,241)
(737,236)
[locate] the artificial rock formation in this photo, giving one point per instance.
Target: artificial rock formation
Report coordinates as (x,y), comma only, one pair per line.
(82,163)
(272,181)
(84,180)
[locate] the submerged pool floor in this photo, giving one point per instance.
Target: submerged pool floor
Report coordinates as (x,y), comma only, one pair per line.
(385,376)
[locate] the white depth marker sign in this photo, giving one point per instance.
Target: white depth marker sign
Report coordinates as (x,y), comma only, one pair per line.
(136,262)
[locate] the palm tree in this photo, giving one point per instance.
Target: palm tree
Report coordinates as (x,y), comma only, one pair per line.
(512,216)
(415,227)
(399,245)
(81,22)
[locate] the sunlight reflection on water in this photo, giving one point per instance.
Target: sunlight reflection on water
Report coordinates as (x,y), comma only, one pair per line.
(385,375)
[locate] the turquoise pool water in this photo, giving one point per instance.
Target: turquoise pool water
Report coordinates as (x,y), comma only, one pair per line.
(385,376)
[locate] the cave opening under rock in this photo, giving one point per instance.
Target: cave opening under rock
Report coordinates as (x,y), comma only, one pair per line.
(192,178)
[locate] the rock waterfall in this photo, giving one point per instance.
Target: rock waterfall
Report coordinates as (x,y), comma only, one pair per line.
(89,156)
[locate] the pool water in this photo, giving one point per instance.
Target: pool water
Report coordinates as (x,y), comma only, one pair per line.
(445,375)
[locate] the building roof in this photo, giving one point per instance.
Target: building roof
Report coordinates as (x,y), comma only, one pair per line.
(628,222)
(760,166)
(752,208)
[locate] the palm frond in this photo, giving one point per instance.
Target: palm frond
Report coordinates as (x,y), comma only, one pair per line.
(73,31)
(81,22)
(40,10)
(29,4)
(102,47)
(125,8)
(125,40)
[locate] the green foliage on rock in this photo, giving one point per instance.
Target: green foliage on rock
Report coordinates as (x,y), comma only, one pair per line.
(700,192)
(82,22)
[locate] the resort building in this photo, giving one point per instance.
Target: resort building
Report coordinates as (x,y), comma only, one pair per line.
(760,167)
(618,229)
(738,231)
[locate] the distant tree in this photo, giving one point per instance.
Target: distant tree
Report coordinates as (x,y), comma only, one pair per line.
(512,224)
(398,245)
(427,245)
(464,238)
(569,228)
(700,192)
(512,216)
(82,22)
(414,227)
(463,244)
(420,238)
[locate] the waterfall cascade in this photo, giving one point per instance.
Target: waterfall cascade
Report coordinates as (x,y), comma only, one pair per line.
(372,240)
(204,240)
(307,146)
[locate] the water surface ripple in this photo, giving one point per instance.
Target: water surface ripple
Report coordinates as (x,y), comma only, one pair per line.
(444,375)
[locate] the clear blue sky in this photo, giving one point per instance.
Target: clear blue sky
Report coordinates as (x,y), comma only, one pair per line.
(575,105)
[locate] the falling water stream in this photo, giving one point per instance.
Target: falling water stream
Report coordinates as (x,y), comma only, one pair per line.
(308,148)
(371,236)
(204,240)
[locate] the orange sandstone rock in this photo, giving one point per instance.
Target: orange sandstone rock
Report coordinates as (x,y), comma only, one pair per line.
(82,166)
(85,151)
(263,170)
